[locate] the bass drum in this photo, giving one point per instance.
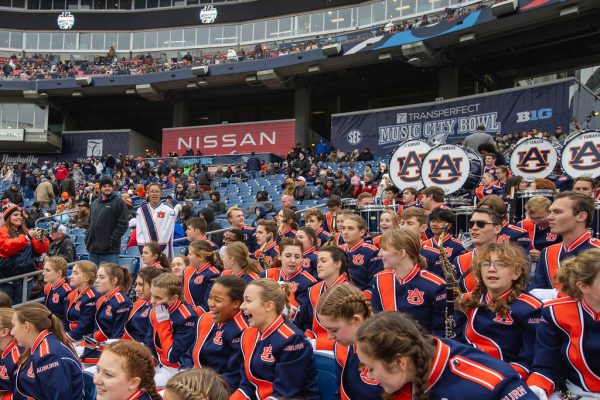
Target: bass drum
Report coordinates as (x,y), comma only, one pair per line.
(405,164)
(533,158)
(581,154)
(453,168)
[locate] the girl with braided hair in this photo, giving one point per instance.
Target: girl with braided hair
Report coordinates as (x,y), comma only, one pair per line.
(412,365)
(341,311)
(125,371)
(196,384)
(205,267)
(498,316)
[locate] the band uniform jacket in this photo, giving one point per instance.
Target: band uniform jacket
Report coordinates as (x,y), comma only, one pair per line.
(81,312)
(363,263)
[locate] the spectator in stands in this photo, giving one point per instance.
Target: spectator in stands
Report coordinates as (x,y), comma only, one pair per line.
(490,149)
(366,155)
(34,214)
(477,138)
(215,203)
(204,179)
(44,193)
(253,166)
(78,176)
(31,184)
(212,225)
(99,168)
(288,187)
(61,244)
(155,221)
(344,188)
(301,192)
(366,186)
(180,193)
(88,169)
(287,202)
(61,172)
(193,193)
(300,166)
(322,149)
(13,194)
(108,223)
(109,165)
(82,218)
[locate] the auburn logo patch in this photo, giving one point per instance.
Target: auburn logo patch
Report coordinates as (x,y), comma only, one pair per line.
(55,298)
(358,259)
(218,339)
(504,319)
(109,311)
(199,279)
(415,297)
(364,376)
(3,372)
(30,371)
(267,354)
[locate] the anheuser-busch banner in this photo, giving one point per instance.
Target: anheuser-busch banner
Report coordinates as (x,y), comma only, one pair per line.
(275,137)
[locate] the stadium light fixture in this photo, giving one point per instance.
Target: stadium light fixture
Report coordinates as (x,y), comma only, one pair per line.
(145,88)
(77,93)
(505,7)
(467,38)
(200,70)
(83,81)
(191,85)
(130,91)
(269,77)
(416,50)
(314,68)
(385,56)
(251,78)
(31,94)
(202,83)
(570,10)
(332,49)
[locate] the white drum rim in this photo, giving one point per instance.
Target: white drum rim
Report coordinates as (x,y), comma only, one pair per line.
(465,152)
(401,185)
(564,155)
(553,161)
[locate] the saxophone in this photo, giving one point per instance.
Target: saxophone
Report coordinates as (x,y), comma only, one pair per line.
(333,238)
(452,287)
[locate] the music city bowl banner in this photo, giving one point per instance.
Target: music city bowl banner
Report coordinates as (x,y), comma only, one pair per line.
(275,137)
(514,110)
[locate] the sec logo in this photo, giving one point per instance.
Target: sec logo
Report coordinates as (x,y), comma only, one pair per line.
(354,137)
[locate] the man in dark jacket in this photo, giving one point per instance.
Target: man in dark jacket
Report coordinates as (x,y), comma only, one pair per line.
(212,225)
(253,166)
(301,192)
(61,244)
(108,223)
(33,215)
(13,194)
(343,189)
(68,185)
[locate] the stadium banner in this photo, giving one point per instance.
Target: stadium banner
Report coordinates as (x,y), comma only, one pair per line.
(541,107)
(275,137)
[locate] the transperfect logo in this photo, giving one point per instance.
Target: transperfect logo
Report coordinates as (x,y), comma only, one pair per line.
(66,20)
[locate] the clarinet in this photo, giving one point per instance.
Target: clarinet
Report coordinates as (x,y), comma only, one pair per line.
(452,287)
(333,238)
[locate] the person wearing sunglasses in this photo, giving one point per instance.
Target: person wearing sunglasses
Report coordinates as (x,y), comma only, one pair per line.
(484,228)
(499,317)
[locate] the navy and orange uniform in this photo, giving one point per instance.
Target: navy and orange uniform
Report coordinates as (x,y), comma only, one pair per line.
(551,257)
(462,372)
(52,372)
(8,365)
(80,312)
(490,170)
(403,207)
(508,337)
(309,261)
(539,237)
(298,284)
(217,346)
(309,319)
(322,236)
(169,340)
(420,294)
(278,364)
(247,277)
(197,283)
(138,323)
(55,298)
(352,378)
(482,191)
(139,395)
(566,346)
(453,246)
(288,232)
(328,223)
(515,234)
(112,311)
(363,263)
(249,238)
(269,253)
(462,268)
(213,245)
(433,260)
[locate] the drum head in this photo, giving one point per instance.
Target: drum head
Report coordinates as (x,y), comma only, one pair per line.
(405,164)
(451,167)
(533,158)
(581,155)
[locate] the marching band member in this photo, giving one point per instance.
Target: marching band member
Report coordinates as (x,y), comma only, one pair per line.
(286,223)
(537,226)
(236,218)
(48,367)
(81,302)
(195,384)
(342,310)
(172,326)
(502,175)
(10,354)
(205,267)
(487,187)
(438,220)
(508,232)
(331,268)
(138,323)
(310,242)
(489,165)
(567,337)
(364,260)
(155,221)
(585,185)
(178,264)
(387,220)
(196,230)
(152,256)
(570,215)
(410,198)
(292,274)
(237,262)
(334,205)
(432,197)
(364,199)
(409,364)
(112,307)
(484,227)
(341,216)
(125,372)
(56,289)
(266,233)
(278,359)
(501,318)
(405,285)
(314,219)
(217,343)
(416,220)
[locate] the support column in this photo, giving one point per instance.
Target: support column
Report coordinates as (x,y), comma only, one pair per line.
(448,82)
(302,115)
(181,109)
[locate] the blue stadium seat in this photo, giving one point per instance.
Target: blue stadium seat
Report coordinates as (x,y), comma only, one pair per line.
(131,263)
(79,239)
(88,386)
(326,375)
(133,251)
(179,250)
(81,251)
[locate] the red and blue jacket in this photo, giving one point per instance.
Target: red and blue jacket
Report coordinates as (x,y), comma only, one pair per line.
(247,277)
(169,340)
(309,263)
(363,263)
(278,364)
(482,191)
(515,234)
(55,299)
(217,346)
(566,346)
(138,323)
(288,232)
(352,378)
(551,257)
(432,258)
(322,236)
(453,246)
(511,337)
(298,284)
(464,273)
(197,283)
(420,294)
(80,312)
(308,318)
(539,238)
(249,238)
(462,372)
(138,395)
(8,366)
(53,372)
(269,253)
